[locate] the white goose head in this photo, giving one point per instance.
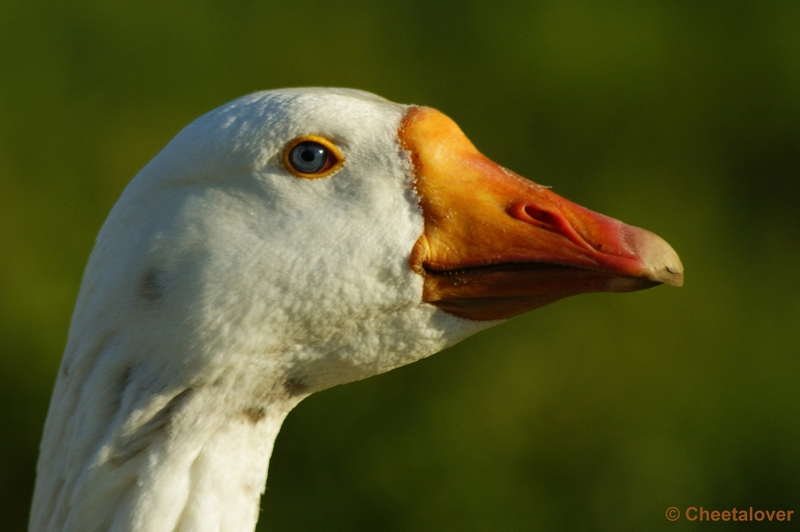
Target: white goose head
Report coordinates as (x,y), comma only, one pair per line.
(284,243)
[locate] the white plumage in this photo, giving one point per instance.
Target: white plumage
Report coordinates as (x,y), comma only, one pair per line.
(222,290)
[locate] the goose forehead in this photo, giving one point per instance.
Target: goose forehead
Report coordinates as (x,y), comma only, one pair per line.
(282,115)
(249,133)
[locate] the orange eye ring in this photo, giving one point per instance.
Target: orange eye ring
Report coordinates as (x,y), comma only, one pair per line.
(312,157)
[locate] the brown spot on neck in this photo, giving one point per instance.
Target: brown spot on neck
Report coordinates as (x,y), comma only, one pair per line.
(150,287)
(295,386)
(254,414)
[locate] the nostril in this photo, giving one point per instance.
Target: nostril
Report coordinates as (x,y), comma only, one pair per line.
(541,216)
(553,220)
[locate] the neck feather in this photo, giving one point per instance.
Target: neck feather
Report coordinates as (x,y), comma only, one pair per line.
(119,455)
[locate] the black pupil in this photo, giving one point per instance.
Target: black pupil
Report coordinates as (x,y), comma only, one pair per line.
(308,157)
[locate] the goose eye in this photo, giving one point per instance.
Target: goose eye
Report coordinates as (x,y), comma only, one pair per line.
(309,157)
(312,157)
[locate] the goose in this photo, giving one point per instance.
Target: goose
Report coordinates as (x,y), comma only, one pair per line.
(286,242)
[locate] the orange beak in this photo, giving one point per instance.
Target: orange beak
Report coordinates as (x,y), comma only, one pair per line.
(496,245)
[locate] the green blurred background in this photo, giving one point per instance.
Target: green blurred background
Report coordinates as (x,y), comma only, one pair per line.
(596,413)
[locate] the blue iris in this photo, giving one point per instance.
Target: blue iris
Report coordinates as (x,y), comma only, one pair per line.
(308,157)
